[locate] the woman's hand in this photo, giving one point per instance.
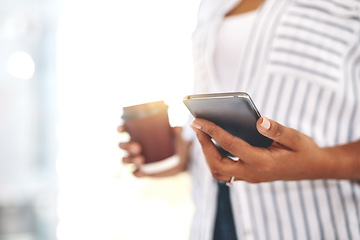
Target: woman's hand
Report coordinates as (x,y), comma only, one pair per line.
(292,156)
(133,154)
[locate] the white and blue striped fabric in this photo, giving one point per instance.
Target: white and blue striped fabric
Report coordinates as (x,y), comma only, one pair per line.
(302,68)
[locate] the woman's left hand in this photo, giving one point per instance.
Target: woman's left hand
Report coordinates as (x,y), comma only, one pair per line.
(292,156)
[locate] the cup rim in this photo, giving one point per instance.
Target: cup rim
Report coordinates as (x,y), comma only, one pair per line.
(143,110)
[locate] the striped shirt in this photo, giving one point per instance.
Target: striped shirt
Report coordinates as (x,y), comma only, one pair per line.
(302,68)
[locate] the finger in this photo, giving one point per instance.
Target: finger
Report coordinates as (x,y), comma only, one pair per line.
(210,151)
(287,137)
(216,162)
(137,161)
(121,128)
(139,174)
(133,148)
(227,141)
(177,131)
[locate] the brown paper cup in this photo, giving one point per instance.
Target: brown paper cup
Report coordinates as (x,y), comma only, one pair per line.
(148,124)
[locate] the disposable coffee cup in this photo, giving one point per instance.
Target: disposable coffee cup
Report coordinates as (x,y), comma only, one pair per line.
(148,124)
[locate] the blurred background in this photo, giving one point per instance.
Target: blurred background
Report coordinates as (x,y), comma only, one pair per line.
(67,67)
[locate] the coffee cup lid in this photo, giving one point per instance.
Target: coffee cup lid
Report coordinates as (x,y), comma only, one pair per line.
(143,110)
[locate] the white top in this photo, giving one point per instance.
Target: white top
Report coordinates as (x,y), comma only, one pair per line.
(231,41)
(301,66)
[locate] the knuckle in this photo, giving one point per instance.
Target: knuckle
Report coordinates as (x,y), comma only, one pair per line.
(211,130)
(216,167)
(125,160)
(135,148)
(201,137)
(230,145)
(278,130)
(122,145)
(198,135)
(215,175)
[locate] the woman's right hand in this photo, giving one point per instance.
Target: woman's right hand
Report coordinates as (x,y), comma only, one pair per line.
(133,154)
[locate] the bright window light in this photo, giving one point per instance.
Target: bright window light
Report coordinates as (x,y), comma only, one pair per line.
(21,65)
(113,54)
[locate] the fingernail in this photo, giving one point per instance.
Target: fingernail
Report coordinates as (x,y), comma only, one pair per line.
(265,123)
(195,125)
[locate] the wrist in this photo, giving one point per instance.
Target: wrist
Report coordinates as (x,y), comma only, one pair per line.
(344,161)
(331,168)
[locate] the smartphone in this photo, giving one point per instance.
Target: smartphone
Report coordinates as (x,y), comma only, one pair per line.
(235,112)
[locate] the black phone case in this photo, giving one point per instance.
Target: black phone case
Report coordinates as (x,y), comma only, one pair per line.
(234,112)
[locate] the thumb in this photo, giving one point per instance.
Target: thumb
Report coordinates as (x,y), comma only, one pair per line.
(287,137)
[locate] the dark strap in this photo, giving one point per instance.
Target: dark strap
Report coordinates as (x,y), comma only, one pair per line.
(224,222)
